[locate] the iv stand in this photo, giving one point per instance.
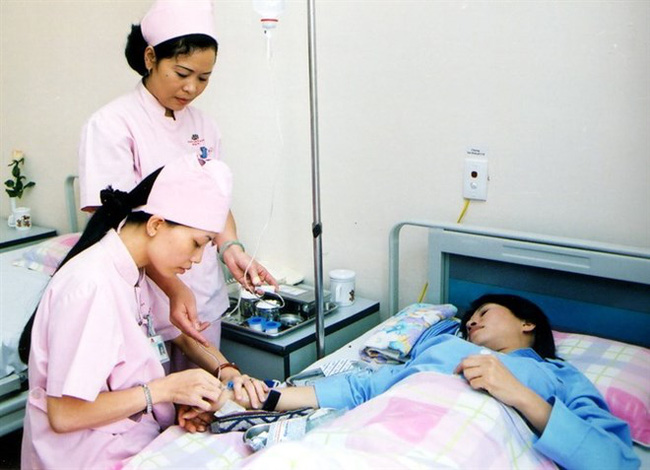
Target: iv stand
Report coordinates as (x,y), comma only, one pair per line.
(316,228)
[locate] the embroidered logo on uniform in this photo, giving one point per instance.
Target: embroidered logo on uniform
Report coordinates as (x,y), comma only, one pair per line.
(196,141)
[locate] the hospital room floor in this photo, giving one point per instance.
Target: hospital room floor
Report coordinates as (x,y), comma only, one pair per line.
(10,450)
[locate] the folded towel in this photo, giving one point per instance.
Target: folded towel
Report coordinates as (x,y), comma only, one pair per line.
(394,341)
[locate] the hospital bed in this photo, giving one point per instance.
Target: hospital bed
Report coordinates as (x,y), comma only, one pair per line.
(24,273)
(19,294)
(597,297)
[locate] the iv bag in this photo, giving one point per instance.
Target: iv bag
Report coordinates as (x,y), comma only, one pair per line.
(270,11)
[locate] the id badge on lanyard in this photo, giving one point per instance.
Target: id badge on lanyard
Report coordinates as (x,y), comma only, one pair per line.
(156,341)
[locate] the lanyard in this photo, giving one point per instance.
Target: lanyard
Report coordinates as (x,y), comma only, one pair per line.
(155,340)
(144,318)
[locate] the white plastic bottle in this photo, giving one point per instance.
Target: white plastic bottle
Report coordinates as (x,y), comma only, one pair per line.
(270,11)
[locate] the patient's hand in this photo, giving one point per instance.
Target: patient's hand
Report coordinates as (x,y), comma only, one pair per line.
(487,372)
(193,419)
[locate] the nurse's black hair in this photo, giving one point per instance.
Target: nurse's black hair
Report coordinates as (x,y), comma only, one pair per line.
(116,207)
(136,45)
(524,309)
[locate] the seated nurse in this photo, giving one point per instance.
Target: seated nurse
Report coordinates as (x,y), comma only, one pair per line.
(98,392)
(508,352)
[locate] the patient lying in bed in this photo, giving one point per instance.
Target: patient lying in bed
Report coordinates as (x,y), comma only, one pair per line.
(509,353)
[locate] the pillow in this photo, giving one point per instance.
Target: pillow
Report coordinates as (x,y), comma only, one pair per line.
(46,256)
(620,372)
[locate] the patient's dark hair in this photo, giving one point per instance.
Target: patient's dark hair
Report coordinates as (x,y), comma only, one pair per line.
(136,45)
(116,206)
(524,309)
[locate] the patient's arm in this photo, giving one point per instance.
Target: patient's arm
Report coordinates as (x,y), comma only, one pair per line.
(291,398)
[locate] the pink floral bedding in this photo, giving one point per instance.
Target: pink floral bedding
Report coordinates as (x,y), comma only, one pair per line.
(427,420)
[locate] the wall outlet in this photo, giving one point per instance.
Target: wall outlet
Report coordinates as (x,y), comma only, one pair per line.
(475,179)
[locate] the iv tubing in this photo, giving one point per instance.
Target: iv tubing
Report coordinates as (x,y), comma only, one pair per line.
(278,124)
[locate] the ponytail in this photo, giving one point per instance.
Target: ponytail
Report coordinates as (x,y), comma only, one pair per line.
(134,50)
(116,207)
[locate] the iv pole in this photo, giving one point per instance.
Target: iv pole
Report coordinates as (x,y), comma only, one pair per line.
(316,228)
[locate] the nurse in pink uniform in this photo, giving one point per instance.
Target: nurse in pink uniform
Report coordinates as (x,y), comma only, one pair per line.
(174,49)
(98,392)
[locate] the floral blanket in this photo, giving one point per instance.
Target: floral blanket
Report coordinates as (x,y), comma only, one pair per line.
(394,341)
(427,420)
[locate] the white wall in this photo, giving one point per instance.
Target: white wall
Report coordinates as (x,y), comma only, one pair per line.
(557,92)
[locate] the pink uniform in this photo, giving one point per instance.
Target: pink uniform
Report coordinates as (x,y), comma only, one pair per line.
(128,139)
(87,338)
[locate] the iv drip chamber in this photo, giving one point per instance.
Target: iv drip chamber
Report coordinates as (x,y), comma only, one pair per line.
(270,11)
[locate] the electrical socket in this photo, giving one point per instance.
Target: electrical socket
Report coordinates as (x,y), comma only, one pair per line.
(475,179)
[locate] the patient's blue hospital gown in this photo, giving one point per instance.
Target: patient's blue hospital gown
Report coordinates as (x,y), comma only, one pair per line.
(581,432)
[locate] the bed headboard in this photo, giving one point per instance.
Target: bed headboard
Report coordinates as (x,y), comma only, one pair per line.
(582,286)
(76,218)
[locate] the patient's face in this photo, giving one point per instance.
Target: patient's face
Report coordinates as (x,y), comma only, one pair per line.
(496,327)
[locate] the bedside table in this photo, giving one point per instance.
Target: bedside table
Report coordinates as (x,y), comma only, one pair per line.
(11,238)
(280,357)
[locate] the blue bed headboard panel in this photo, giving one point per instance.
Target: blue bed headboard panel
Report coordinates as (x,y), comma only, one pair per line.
(582,286)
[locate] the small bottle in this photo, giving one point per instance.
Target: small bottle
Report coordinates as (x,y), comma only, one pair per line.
(270,11)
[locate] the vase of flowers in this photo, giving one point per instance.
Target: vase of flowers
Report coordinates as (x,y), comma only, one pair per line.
(15,188)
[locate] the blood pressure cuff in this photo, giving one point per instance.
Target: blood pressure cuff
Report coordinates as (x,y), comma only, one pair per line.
(244,420)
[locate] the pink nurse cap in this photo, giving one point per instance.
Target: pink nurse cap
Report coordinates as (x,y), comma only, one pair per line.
(193,192)
(168,19)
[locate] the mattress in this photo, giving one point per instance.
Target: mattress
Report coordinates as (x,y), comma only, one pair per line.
(20,292)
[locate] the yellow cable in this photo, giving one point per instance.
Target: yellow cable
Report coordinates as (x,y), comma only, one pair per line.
(460,217)
(423,292)
(462,213)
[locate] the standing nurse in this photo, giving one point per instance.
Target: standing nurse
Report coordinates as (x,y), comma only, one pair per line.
(174,49)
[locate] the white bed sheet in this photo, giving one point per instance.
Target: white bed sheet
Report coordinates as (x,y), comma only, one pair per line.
(20,292)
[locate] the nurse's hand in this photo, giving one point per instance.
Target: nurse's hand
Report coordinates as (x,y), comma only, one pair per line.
(183,314)
(182,305)
(248,272)
(248,391)
(193,387)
